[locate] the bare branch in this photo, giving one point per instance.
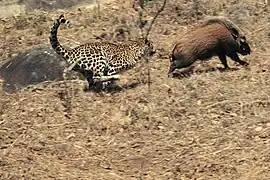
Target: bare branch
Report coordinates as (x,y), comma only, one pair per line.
(140,14)
(142,24)
(65,96)
(134,6)
(155,17)
(98,8)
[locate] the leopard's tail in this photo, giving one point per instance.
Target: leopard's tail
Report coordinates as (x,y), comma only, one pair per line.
(59,49)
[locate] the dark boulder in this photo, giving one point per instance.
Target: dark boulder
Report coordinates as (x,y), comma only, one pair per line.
(52,4)
(32,67)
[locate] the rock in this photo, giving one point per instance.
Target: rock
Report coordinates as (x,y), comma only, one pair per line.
(32,67)
(9,8)
(52,4)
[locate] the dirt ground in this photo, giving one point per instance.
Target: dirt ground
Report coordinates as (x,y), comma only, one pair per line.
(211,125)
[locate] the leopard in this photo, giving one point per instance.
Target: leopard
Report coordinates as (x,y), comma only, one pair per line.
(100,61)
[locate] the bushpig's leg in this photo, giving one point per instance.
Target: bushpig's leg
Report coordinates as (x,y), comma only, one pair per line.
(222,58)
(180,64)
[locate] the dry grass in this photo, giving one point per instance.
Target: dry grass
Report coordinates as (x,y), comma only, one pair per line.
(211,125)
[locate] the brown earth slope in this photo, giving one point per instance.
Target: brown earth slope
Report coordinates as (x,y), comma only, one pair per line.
(211,125)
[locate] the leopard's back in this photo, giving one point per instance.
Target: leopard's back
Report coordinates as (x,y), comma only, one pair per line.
(93,56)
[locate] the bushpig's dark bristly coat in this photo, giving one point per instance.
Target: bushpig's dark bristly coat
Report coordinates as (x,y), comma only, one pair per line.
(213,39)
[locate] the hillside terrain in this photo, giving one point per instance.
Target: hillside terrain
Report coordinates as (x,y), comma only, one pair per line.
(210,125)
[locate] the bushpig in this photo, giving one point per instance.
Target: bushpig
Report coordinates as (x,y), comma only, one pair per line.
(212,38)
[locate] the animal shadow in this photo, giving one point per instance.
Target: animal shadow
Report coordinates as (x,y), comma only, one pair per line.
(190,71)
(112,88)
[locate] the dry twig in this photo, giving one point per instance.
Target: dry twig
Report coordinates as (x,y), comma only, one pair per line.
(142,24)
(155,17)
